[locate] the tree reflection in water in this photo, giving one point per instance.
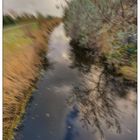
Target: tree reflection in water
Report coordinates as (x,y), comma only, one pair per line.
(81,59)
(96,93)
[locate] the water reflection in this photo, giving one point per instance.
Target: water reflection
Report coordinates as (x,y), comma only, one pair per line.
(71,131)
(81,58)
(94,99)
(96,93)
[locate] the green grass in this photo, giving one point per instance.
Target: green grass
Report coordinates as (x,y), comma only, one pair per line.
(16,37)
(34,26)
(129,73)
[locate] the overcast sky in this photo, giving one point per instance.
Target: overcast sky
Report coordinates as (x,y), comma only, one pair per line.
(46,7)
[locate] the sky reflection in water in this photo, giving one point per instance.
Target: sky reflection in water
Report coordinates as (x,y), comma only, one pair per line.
(76,100)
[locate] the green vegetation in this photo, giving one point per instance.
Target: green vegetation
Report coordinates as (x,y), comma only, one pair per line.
(23,18)
(107,27)
(7,20)
(15,37)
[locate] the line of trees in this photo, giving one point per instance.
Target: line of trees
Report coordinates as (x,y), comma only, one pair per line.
(25,17)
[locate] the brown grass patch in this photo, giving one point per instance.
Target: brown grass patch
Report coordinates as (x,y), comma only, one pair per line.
(21,68)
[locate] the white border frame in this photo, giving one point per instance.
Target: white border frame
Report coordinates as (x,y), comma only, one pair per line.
(1,73)
(138,69)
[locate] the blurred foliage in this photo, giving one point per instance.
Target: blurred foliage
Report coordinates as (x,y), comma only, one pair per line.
(14,18)
(108,25)
(8,20)
(15,39)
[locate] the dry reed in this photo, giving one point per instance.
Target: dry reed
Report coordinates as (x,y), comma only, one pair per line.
(21,69)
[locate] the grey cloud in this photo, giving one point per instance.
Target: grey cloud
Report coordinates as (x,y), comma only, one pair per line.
(46,7)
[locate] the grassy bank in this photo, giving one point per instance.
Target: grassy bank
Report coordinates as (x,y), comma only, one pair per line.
(24,47)
(109,28)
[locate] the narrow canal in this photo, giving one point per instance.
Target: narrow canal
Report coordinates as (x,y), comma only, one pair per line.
(75,101)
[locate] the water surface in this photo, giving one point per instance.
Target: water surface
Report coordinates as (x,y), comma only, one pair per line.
(76,100)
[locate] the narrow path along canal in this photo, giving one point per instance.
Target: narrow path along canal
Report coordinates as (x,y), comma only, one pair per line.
(73,100)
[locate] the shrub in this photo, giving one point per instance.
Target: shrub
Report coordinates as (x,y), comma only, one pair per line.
(107,26)
(7,20)
(85,20)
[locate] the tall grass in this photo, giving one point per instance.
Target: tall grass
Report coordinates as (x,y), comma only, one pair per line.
(21,68)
